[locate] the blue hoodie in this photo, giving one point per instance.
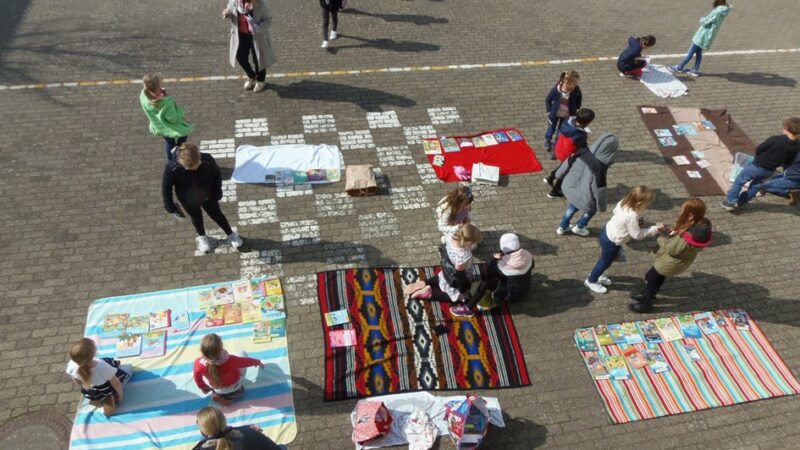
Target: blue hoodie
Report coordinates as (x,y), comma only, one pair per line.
(627,59)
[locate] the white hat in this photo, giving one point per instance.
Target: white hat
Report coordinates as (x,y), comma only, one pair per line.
(509,242)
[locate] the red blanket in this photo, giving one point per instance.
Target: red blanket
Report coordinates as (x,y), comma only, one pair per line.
(511,156)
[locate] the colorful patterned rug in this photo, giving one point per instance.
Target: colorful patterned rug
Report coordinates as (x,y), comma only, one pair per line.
(404,344)
(724,368)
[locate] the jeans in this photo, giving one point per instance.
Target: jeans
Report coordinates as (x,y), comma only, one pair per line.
(696,51)
(608,253)
(551,134)
(779,186)
(654,282)
(582,222)
(247,48)
(170,143)
(326,14)
(212,209)
(752,173)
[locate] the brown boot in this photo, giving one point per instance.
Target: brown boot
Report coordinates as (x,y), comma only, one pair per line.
(794,197)
(109,406)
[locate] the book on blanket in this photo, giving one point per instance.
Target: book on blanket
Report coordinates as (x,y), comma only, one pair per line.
(284,178)
(450,145)
(272,286)
(740,161)
(691,350)
(251,311)
(160,320)
(180,320)
(597,367)
(223,295)
(617,334)
(242,291)
(478,141)
(317,175)
(689,327)
(515,136)
(501,137)
(634,357)
(274,303)
(114,325)
(232,313)
(129,345)
(432,147)
(719,319)
(339,317)
(489,139)
(138,324)
(632,335)
(261,332)
(277,328)
(584,337)
(739,318)
(465,142)
(656,361)
(154,344)
(215,316)
(205,299)
(706,323)
(617,368)
(603,336)
(649,330)
(342,338)
(669,332)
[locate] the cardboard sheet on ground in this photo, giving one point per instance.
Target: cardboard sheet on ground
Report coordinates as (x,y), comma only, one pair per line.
(402,405)
(161,399)
(662,82)
(253,164)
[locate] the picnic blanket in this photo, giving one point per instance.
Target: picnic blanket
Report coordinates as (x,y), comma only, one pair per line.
(733,366)
(254,164)
(403,344)
(161,399)
(510,156)
(717,143)
(662,82)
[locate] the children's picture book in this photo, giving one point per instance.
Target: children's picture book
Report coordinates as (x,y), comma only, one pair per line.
(160,319)
(632,335)
(719,319)
(685,129)
(634,357)
(251,312)
(691,350)
(667,142)
(242,291)
(154,344)
(114,325)
(668,330)
(689,327)
(257,288)
(205,299)
(317,175)
(272,286)
(702,163)
(514,135)
(261,332)
(649,330)
(740,161)
(603,336)
(704,125)
(339,317)
(129,345)
(649,110)
(694,174)
(342,338)
(431,147)
(617,368)
(465,142)
(180,320)
(284,178)
(478,141)
(299,177)
(597,367)
(450,145)
(223,295)
(584,337)
(681,160)
(273,302)
(438,161)
(269,178)
(489,139)
(138,324)
(698,154)
(277,328)
(333,174)
(501,137)
(706,323)
(656,361)
(663,132)
(617,334)
(215,316)
(739,318)
(232,313)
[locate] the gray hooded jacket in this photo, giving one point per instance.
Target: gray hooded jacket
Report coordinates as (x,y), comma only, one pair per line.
(584,174)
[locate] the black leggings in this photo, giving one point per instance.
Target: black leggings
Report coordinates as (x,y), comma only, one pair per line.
(211,208)
(437,295)
(654,282)
(247,48)
(325,15)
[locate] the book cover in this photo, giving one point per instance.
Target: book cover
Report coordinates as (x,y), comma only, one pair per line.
(138,324)
(339,317)
(232,313)
(740,161)
(129,345)
(706,323)
(698,154)
(689,327)
(269,178)
(272,286)
(719,319)
(704,125)
(242,291)
(316,175)
(205,299)
(668,330)
(299,177)
(584,337)
(649,330)
(603,336)
(180,320)
(450,145)
(342,338)
(261,332)
(277,328)
(694,174)
(617,335)
(154,344)
(691,350)
(114,325)
(634,357)
(438,161)
(685,129)
(656,361)
(431,147)
(514,135)
(681,160)
(739,318)
(333,174)
(215,316)
(667,142)
(223,295)
(489,139)
(632,335)
(465,142)
(703,164)
(251,312)
(501,137)
(617,368)
(649,110)
(663,132)
(478,141)
(257,288)
(160,319)
(597,367)
(274,303)
(284,178)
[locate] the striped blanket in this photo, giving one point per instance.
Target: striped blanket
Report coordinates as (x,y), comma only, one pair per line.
(734,366)
(162,400)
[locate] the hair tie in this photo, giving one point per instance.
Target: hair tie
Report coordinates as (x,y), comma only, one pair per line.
(221,434)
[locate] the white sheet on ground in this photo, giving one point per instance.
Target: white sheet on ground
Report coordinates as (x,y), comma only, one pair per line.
(402,405)
(253,163)
(662,82)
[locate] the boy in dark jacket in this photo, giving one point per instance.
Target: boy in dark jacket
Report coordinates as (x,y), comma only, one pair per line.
(197,182)
(630,62)
(573,136)
(787,184)
(563,102)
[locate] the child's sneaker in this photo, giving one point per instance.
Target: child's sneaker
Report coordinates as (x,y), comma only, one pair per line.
(729,206)
(249,84)
(595,287)
(261,86)
(333,35)
(674,69)
(693,73)
(461,311)
(580,231)
(560,231)
(486,304)
(236,241)
(546,180)
(203,245)
(324,44)
(604,280)
(552,194)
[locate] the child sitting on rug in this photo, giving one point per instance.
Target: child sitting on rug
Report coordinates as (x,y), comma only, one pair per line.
(453,210)
(218,435)
(572,136)
(631,63)
(101,379)
(563,102)
(220,373)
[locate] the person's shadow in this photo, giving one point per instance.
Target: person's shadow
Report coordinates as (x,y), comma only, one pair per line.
(385,44)
(518,433)
(416,19)
(757,78)
(371,100)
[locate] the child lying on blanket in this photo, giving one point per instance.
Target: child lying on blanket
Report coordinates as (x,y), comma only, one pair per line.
(220,373)
(101,380)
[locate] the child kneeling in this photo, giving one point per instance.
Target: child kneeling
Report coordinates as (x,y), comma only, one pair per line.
(101,379)
(219,372)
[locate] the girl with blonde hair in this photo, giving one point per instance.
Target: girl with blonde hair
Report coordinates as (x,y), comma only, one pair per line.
(217,435)
(165,117)
(101,379)
(220,373)
(453,210)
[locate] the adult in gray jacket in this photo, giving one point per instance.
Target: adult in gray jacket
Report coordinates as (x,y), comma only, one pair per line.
(584,185)
(251,22)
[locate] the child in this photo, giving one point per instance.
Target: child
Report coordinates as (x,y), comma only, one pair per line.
(562,102)
(779,150)
(709,26)
(584,182)
(572,136)
(218,435)
(166,118)
(330,10)
(787,184)
(453,210)
(623,225)
(691,234)
(101,380)
(220,373)
(630,62)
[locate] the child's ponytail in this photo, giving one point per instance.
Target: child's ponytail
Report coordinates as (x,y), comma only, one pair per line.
(82,353)
(211,348)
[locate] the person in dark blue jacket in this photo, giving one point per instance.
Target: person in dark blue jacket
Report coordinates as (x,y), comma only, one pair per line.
(630,62)
(562,102)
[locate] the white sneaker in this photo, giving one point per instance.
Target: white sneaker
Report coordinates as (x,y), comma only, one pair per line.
(333,35)
(324,44)
(604,280)
(260,86)
(249,84)
(236,241)
(203,245)
(560,231)
(580,231)
(595,287)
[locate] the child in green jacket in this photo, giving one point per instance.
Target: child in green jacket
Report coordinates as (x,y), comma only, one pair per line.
(709,26)
(166,118)
(677,251)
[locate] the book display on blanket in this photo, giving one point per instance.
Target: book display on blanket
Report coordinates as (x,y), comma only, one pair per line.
(339,317)
(342,338)
(129,345)
(154,344)
(160,320)
(138,325)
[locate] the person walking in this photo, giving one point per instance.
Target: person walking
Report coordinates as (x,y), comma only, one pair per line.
(165,117)
(709,27)
(330,15)
(251,23)
(197,182)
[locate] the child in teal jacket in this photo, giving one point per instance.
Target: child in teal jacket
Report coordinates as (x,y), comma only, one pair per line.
(709,26)
(166,118)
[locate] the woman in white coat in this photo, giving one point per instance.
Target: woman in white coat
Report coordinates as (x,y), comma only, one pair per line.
(251,22)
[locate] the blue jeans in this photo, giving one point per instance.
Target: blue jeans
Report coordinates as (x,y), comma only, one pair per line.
(170,143)
(608,253)
(779,186)
(755,175)
(582,222)
(696,51)
(551,134)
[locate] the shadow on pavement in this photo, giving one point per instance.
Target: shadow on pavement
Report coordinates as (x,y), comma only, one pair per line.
(416,19)
(385,44)
(371,100)
(518,433)
(757,78)
(344,254)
